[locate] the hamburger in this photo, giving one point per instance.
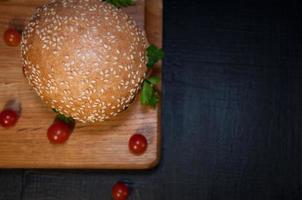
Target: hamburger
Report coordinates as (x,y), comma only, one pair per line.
(84,58)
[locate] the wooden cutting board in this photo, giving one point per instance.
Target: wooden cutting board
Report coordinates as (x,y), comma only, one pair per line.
(102,145)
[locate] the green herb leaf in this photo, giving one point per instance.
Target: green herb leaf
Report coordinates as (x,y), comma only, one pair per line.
(148,95)
(153,80)
(154,99)
(154,54)
(120,3)
(61,117)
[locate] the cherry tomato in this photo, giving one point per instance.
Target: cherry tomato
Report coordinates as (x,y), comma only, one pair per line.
(8,118)
(12,37)
(120,191)
(59,132)
(137,144)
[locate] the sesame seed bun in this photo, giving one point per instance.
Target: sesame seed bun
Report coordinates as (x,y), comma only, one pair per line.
(85,58)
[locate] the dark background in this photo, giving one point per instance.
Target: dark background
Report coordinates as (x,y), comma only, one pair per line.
(232,112)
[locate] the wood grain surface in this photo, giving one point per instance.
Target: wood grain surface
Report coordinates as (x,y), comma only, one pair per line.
(102,145)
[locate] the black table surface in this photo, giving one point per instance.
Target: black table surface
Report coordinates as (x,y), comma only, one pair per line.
(232,112)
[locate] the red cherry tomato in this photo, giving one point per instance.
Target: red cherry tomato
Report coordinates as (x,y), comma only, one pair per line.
(8,118)
(137,144)
(58,132)
(12,37)
(120,191)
